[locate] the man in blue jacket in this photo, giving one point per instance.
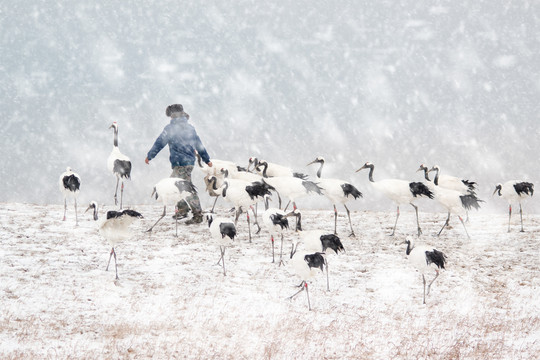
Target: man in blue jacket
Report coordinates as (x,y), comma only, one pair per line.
(183,141)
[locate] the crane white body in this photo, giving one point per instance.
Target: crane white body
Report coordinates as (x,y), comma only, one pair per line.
(114,228)
(453,201)
(223,232)
(276,222)
(69,184)
(171,191)
(337,191)
(240,194)
(399,191)
(306,266)
(425,259)
(515,191)
(119,165)
(268,169)
(321,241)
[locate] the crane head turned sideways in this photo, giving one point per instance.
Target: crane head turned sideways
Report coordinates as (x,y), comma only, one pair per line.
(498,189)
(367,165)
(93,205)
(114,125)
(435,168)
(318,159)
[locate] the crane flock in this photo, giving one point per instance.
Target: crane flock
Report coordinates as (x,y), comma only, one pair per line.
(245,187)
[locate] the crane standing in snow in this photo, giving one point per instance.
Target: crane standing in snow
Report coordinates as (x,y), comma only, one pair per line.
(400,191)
(337,191)
(119,165)
(454,201)
(223,232)
(69,184)
(275,220)
(290,186)
(243,195)
(515,191)
(305,266)
(320,241)
(114,228)
(425,259)
(171,190)
(464,187)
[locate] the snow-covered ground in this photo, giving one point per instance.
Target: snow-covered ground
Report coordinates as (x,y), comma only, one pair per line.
(173,301)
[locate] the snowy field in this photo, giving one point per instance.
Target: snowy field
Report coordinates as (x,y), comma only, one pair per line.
(173,301)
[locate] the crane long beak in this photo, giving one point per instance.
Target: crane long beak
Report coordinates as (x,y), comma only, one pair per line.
(363,167)
(313,162)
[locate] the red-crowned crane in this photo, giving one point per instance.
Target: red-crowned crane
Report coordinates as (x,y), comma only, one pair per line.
(515,191)
(454,201)
(337,191)
(69,184)
(399,191)
(115,228)
(276,222)
(272,169)
(171,191)
(305,266)
(215,170)
(425,259)
(243,195)
(119,165)
(291,187)
(464,187)
(457,184)
(321,241)
(223,232)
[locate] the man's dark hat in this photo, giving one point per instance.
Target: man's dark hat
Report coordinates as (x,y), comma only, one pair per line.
(174,109)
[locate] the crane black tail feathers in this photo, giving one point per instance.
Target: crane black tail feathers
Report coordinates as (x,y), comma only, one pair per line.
(71,183)
(227,229)
(420,189)
(259,189)
(436,257)
(280,220)
(349,189)
(300,176)
(187,186)
(470,201)
(315,260)
(331,241)
(524,187)
(312,187)
(471,185)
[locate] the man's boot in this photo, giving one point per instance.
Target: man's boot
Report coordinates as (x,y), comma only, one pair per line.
(196,219)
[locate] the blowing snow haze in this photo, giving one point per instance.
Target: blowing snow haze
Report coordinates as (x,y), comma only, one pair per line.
(393,83)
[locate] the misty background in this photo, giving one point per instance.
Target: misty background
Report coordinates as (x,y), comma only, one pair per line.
(397,83)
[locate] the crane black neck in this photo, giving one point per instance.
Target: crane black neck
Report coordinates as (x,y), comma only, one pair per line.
(265,167)
(319,172)
(225,187)
(436,180)
(115,137)
(371,169)
(426,174)
(409,247)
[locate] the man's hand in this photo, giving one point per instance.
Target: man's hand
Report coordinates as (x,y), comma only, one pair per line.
(209,164)
(147,161)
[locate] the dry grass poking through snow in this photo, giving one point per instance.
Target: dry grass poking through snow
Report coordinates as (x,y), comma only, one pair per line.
(172,300)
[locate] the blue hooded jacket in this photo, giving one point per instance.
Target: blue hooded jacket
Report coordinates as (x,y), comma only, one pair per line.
(182,140)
